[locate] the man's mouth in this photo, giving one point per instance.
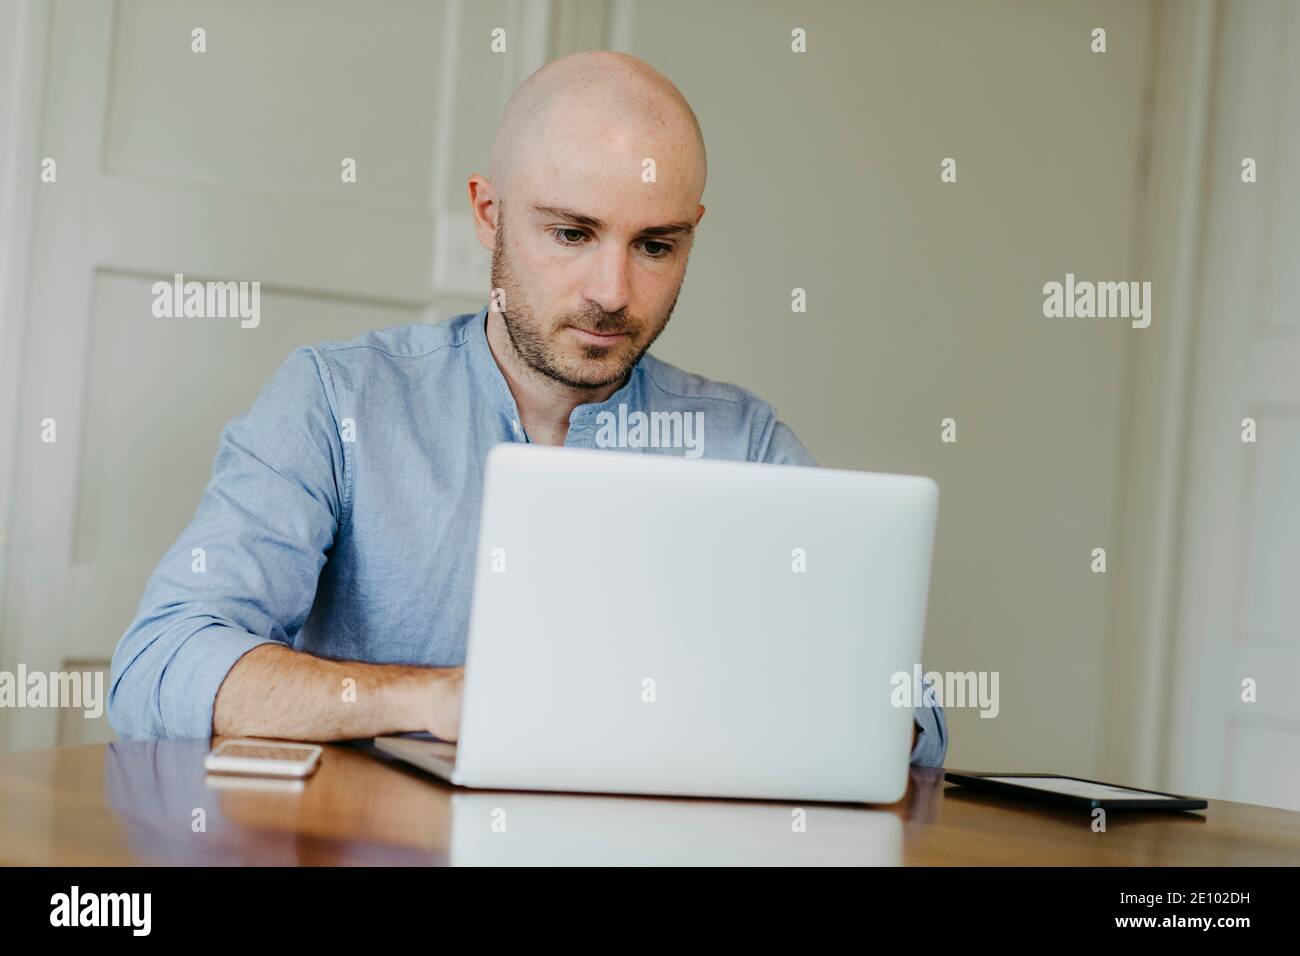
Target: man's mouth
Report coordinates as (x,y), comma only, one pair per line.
(596,338)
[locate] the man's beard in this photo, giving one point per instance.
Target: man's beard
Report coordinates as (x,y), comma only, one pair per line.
(536,348)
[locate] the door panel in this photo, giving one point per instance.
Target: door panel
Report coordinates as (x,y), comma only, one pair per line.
(225,166)
(1239,606)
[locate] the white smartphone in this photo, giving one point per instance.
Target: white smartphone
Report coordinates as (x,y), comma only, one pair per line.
(263,758)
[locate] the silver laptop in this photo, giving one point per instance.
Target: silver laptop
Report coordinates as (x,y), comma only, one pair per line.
(657,625)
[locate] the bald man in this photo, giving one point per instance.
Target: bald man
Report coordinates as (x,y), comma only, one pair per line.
(322,590)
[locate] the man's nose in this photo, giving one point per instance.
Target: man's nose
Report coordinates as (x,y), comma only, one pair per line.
(610,285)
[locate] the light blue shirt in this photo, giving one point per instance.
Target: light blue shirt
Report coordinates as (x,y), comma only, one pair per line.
(342,515)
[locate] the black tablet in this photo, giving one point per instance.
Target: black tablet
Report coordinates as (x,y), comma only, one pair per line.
(1073,791)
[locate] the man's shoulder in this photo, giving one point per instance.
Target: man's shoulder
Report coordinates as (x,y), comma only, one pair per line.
(414,340)
(664,380)
(746,424)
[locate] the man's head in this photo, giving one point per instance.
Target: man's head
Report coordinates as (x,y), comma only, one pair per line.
(599,165)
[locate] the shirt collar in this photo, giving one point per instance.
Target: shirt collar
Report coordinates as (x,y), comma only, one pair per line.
(485,365)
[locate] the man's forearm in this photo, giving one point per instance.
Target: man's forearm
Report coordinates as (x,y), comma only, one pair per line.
(273,691)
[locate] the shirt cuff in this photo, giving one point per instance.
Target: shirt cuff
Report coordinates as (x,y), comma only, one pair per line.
(187,689)
(932,743)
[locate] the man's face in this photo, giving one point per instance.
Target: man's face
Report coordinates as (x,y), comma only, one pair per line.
(586,289)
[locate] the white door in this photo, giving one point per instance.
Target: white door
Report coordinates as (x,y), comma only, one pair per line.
(221,165)
(1239,612)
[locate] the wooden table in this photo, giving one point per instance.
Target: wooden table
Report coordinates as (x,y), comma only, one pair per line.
(152,803)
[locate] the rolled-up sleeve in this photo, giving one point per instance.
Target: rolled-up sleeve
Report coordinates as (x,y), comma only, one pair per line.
(245,570)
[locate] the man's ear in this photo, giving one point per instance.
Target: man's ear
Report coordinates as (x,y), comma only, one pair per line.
(485,209)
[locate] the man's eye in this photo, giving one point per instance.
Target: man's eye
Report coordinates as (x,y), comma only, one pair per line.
(657,255)
(560,233)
